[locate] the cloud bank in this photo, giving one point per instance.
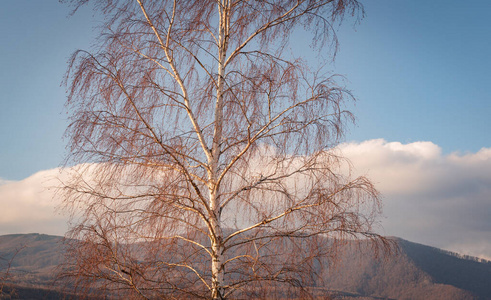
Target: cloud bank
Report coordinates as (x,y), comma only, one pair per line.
(28,205)
(3,181)
(430,198)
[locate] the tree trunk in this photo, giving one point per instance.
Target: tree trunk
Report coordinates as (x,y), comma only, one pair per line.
(217,270)
(217,266)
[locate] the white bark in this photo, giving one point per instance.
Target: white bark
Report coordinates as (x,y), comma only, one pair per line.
(214,185)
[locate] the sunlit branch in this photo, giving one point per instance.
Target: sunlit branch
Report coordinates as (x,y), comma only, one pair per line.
(176,75)
(290,210)
(187,267)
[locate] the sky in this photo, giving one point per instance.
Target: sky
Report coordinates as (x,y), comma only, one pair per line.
(419,69)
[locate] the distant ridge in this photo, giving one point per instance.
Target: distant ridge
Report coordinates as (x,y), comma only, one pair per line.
(416,272)
(462,271)
(447,252)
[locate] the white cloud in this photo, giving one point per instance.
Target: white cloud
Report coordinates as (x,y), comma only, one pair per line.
(434,199)
(4,181)
(28,205)
(430,198)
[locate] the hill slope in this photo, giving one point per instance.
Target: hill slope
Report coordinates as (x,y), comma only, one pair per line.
(415,272)
(36,256)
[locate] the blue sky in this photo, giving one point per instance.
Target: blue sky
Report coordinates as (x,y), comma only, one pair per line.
(37,39)
(420,69)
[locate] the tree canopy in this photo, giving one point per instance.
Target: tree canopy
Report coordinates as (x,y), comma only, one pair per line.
(205,150)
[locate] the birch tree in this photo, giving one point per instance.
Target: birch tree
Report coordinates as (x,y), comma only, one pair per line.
(205,150)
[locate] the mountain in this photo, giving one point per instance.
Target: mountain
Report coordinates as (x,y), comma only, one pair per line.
(414,271)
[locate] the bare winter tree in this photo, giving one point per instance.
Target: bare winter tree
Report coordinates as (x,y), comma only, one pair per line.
(206,151)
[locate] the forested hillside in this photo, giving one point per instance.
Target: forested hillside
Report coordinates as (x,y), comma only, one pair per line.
(414,271)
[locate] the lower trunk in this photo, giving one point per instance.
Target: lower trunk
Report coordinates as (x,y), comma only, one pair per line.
(217,247)
(217,291)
